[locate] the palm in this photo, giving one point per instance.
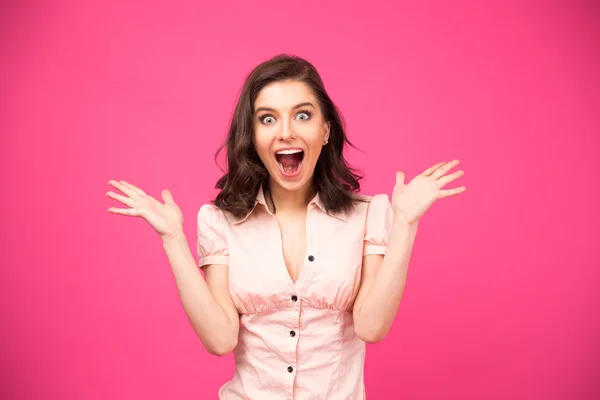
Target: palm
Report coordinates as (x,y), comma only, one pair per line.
(166,219)
(414,199)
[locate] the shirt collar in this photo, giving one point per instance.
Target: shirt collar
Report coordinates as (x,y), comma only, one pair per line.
(260,199)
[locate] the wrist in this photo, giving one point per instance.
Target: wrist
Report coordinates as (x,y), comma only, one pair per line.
(400,219)
(174,236)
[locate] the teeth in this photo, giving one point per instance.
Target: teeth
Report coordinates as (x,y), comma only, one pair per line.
(291,151)
(287,170)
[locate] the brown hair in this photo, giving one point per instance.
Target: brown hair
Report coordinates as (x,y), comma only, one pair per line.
(336,182)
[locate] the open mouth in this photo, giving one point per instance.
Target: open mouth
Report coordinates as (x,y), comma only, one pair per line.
(290,161)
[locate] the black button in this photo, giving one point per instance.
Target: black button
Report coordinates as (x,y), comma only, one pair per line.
(290,370)
(294,298)
(292,333)
(311,258)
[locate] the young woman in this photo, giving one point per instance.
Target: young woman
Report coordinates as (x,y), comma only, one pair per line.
(300,270)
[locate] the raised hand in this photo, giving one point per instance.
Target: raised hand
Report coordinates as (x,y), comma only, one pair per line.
(166,219)
(414,199)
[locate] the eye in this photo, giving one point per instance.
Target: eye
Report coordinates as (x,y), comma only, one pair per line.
(303,115)
(267,119)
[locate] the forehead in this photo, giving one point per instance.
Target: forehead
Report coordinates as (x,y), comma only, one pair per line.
(284,95)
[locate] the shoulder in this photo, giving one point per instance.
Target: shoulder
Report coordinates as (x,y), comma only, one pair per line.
(378,198)
(209,210)
(210,214)
(379,201)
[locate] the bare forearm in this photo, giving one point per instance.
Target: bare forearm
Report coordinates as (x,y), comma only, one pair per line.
(381,303)
(210,321)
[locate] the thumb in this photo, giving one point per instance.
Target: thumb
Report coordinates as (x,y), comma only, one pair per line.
(167,197)
(400,177)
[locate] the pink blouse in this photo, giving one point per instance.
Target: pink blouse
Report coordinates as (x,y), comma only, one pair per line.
(296,340)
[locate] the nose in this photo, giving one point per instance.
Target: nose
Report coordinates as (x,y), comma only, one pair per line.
(287,131)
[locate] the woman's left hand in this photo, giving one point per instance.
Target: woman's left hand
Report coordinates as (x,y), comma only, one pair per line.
(414,199)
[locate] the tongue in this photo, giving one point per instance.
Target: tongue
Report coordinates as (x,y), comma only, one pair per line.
(289,161)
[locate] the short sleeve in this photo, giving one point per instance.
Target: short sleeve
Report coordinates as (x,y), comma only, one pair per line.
(212,241)
(378,225)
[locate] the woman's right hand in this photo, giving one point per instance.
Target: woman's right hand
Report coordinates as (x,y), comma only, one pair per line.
(166,219)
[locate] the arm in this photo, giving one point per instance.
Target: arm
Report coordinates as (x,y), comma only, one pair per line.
(207,303)
(382,283)
(384,277)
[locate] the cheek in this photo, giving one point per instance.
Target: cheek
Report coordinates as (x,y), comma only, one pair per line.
(314,139)
(315,151)
(262,144)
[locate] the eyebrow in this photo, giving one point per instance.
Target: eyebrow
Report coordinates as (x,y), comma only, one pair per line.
(306,103)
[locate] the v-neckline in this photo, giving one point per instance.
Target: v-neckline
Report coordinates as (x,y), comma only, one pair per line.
(303,266)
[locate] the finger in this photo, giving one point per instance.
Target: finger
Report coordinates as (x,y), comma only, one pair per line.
(444,169)
(125,200)
(431,170)
(400,178)
(123,188)
(131,212)
(452,192)
(444,180)
(134,188)
(167,197)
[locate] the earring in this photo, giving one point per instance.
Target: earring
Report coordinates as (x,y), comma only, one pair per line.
(326,141)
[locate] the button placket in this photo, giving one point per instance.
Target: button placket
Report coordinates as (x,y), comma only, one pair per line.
(293,332)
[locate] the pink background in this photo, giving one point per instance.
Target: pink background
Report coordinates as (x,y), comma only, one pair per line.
(502,296)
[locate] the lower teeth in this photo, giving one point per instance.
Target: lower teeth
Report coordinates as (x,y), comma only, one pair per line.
(289,169)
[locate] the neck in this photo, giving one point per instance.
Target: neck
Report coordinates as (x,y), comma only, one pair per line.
(286,200)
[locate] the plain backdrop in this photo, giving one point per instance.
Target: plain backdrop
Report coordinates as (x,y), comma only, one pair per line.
(502,296)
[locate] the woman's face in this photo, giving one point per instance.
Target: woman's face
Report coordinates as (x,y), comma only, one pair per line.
(289,132)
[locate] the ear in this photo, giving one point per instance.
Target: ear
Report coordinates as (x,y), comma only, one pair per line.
(327,131)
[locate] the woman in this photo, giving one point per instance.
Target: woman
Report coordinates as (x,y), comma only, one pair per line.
(300,271)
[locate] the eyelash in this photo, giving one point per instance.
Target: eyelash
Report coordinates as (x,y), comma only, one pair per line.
(262,117)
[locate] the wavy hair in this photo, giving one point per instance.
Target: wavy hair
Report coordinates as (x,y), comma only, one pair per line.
(336,182)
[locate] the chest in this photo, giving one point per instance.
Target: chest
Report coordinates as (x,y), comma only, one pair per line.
(318,259)
(293,244)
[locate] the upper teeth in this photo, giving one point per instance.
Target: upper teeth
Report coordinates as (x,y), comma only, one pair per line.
(291,151)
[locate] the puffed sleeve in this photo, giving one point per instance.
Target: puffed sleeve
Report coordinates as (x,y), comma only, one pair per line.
(212,242)
(378,225)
